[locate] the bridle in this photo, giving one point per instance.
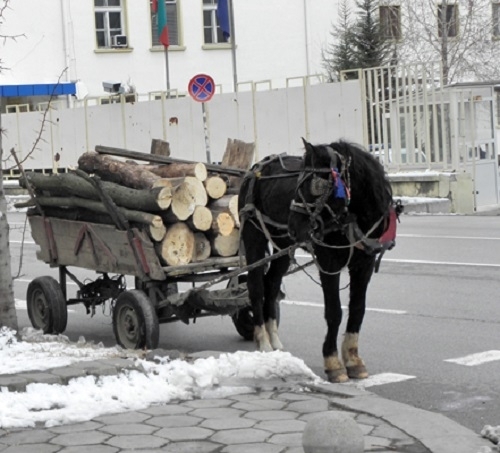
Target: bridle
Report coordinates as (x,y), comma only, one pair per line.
(337,185)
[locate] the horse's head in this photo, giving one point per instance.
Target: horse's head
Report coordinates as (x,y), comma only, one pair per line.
(322,194)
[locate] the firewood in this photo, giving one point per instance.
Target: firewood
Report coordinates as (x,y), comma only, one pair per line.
(238,154)
(215,186)
(227,203)
(223,224)
(110,169)
(202,247)
(141,217)
(225,245)
(160,147)
(63,184)
(157,233)
(195,169)
(187,196)
(178,245)
(201,220)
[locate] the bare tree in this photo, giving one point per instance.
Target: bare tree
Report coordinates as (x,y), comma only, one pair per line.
(459,34)
(8,315)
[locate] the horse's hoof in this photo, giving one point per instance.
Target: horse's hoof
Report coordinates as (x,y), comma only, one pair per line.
(357,372)
(337,376)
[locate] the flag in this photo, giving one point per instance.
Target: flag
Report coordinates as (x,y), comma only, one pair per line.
(161,13)
(223,17)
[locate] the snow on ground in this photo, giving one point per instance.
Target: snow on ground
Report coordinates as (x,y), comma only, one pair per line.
(89,397)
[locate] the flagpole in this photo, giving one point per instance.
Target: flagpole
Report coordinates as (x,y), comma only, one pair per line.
(168,72)
(233,45)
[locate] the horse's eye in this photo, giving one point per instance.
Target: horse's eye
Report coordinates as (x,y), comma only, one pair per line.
(319,186)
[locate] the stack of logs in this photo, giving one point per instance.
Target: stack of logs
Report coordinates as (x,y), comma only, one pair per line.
(189,209)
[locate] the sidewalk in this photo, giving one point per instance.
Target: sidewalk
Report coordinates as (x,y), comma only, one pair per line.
(269,418)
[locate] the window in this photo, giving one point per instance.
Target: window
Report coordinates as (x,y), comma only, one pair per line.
(108,21)
(172,24)
(496,19)
(390,21)
(211,29)
(450,26)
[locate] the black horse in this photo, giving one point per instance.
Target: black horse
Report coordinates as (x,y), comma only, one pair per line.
(337,203)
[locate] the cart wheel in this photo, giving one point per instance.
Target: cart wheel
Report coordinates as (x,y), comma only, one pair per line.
(46,305)
(135,322)
(243,318)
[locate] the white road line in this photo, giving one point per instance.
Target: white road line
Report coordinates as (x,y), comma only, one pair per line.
(21,242)
(430,236)
(440,263)
(476,359)
(316,305)
(380,379)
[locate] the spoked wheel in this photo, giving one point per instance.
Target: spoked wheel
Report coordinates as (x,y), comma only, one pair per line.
(135,322)
(243,318)
(46,305)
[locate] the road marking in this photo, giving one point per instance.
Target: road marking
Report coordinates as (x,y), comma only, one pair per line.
(22,242)
(380,379)
(316,305)
(476,359)
(430,236)
(441,263)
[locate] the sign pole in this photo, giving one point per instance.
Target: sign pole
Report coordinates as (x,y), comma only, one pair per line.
(206,129)
(168,72)
(201,88)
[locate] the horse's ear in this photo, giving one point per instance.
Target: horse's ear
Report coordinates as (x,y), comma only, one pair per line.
(307,145)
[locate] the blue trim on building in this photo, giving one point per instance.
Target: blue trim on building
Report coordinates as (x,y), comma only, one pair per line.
(40,89)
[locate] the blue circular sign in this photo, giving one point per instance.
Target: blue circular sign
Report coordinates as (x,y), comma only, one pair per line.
(201,87)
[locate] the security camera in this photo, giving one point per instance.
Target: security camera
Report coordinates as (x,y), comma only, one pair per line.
(111,87)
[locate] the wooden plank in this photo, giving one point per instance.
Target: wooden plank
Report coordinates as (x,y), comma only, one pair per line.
(94,246)
(203,266)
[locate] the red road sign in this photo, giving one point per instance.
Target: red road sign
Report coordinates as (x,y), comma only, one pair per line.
(201,87)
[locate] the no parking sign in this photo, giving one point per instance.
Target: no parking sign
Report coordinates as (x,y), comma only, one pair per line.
(201,87)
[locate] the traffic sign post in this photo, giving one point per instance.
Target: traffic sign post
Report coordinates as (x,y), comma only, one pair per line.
(201,88)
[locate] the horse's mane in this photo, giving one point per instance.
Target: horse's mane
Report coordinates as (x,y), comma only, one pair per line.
(371,192)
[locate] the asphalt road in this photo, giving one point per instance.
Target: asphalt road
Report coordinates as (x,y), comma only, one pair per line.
(431,336)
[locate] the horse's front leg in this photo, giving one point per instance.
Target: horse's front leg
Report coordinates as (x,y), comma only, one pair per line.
(334,369)
(255,285)
(272,296)
(360,275)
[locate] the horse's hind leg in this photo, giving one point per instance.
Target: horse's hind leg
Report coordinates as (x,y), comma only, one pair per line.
(360,276)
(272,293)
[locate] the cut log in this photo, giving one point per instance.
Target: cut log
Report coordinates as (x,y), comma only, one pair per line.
(160,147)
(109,169)
(178,244)
(225,245)
(223,224)
(238,154)
(63,184)
(227,203)
(157,233)
(215,186)
(141,217)
(195,169)
(201,220)
(187,196)
(202,247)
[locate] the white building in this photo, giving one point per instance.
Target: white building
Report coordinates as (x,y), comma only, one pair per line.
(116,40)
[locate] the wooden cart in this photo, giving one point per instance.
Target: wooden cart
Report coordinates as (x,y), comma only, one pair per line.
(137,312)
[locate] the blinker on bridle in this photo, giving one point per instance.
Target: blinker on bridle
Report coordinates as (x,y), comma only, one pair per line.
(322,188)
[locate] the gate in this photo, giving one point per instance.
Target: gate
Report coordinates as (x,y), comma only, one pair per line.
(413,122)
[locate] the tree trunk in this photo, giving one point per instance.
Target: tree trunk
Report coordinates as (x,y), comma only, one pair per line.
(61,184)
(223,224)
(201,220)
(240,155)
(187,196)
(178,245)
(227,203)
(141,217)
(195,169)
(160,147)
(225,245)
(202,247)
(8,315)
(215,186)
(113,170)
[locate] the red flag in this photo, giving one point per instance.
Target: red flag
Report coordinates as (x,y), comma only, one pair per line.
(161,15)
